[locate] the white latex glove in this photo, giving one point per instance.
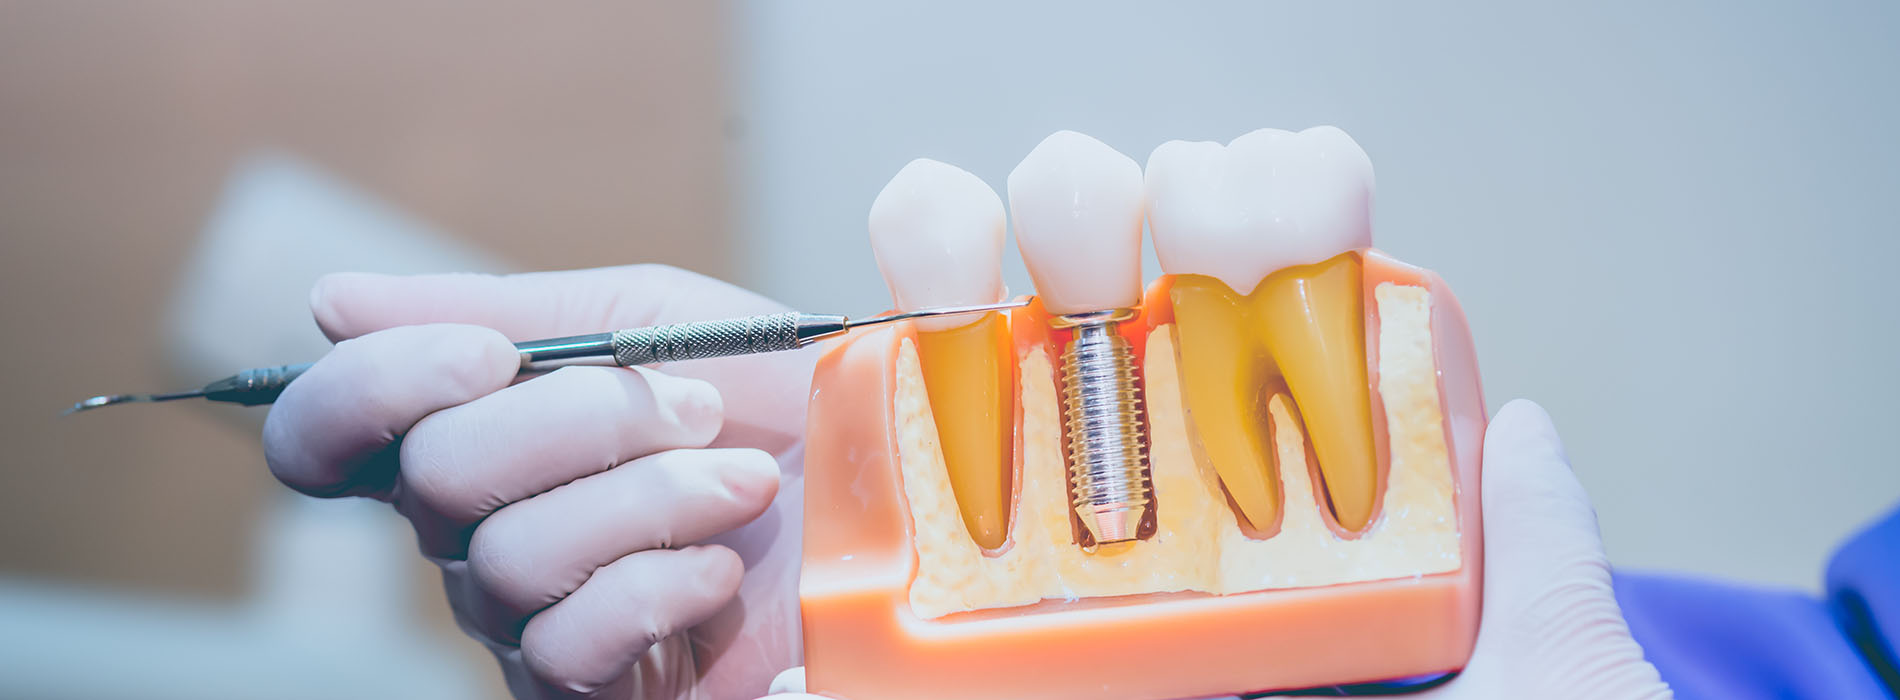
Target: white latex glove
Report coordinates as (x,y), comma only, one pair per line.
(592,524)
(1551,627)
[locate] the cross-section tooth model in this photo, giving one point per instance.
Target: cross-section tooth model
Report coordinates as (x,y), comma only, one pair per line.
(1259,235)
(1260,474)
(937,232)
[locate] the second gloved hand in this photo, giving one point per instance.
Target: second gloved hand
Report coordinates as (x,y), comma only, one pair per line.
(595,525)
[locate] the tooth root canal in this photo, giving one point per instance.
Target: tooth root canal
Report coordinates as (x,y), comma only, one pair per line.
(1312,320)
(969,377)
(1224,371)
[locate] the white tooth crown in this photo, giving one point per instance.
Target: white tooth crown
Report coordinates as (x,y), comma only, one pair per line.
(937,234)
(1077,207)
(1268,200)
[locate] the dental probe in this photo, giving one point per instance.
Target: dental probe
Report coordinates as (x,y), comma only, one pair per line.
(630,347)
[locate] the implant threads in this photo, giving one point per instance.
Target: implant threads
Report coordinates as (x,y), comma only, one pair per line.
(1108,449)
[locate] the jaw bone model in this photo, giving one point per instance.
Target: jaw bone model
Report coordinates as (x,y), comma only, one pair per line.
(1309,480)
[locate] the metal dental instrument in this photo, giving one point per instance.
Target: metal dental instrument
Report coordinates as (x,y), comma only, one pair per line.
(625,348)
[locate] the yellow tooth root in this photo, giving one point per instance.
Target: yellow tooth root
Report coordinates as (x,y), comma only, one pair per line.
(1312,320)
(969,376)
(1224,373)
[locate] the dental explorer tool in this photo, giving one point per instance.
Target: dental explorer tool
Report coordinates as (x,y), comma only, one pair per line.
(630,347)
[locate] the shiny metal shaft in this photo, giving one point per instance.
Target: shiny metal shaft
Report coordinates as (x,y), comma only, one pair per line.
(626,348)
(1102,408)
(683,341)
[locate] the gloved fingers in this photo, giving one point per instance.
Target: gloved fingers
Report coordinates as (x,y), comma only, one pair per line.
(1551,625)
(1539,525)
(743,645)
(554,304)
(594,636)
(667,671)
(464,462)
(533,553)
(791,680)
(529,306)
(463,593)
(330,432)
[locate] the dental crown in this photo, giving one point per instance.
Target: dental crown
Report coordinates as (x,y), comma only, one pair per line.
(937,234)
(1077,208)
(1267,200)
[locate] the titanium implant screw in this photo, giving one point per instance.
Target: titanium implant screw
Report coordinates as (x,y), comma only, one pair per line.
(1102,405)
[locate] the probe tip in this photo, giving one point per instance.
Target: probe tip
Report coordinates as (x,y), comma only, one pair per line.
(96,402)
(110,399)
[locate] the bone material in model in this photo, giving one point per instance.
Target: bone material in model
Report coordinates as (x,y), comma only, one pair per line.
(937,233)
(1077,206)
(1258,234)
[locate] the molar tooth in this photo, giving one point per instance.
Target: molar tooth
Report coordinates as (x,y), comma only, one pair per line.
(937,233)
(1270,199)
(1258,234)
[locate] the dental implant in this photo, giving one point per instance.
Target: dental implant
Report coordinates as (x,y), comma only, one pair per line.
(1077,208)
(1102,415)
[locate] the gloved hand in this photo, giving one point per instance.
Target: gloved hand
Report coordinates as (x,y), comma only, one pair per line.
(592,525)
(1551,626)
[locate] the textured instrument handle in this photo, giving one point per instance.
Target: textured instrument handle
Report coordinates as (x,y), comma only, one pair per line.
(255,387)
(701,339)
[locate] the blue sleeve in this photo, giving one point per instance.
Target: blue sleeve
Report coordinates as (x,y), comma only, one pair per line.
(1863,594)
(1719,640)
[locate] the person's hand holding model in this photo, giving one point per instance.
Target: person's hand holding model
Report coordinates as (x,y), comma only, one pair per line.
(1552,627)
(633,533)
(595,525)
(607,532)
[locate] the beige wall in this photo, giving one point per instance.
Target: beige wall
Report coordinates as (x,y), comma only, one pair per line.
(552,136)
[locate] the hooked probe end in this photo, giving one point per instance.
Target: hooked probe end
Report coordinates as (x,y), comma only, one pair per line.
(96,402)
(110,399)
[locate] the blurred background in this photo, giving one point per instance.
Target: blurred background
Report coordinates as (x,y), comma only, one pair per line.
(1672,226)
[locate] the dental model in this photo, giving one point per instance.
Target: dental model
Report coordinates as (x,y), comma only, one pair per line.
(1259,475)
